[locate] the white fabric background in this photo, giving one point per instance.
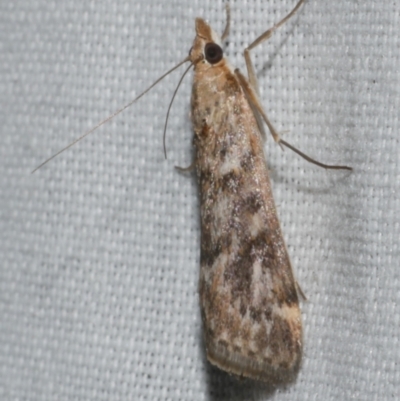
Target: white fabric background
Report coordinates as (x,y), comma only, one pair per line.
(100,249)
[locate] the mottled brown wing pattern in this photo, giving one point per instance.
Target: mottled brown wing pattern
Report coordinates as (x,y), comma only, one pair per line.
(249,303)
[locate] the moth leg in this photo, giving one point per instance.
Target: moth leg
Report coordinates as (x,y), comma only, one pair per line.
(300,291)
(250,68)
(259,120)
(250,88)
(255,104)
(266,35)
(186,169)
(228,22)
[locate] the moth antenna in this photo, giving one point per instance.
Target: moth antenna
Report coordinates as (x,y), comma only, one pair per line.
(169,108)
(228,22)
(111,116)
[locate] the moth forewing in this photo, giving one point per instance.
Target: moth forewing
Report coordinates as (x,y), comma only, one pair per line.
(249,304)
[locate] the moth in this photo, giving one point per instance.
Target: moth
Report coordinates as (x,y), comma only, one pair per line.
(248,294)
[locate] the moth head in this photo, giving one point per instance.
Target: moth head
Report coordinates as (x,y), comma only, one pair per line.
(206,46)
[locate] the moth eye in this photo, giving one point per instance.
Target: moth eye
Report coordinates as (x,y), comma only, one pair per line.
(213,53)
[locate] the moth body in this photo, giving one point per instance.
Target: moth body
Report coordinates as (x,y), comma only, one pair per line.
(249,303)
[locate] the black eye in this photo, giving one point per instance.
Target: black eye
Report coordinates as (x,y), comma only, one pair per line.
(213,53)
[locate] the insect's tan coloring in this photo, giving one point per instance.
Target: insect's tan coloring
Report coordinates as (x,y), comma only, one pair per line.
(249,303)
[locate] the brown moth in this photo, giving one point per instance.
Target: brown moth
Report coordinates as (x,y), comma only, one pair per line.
(249,303)
(248,294)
